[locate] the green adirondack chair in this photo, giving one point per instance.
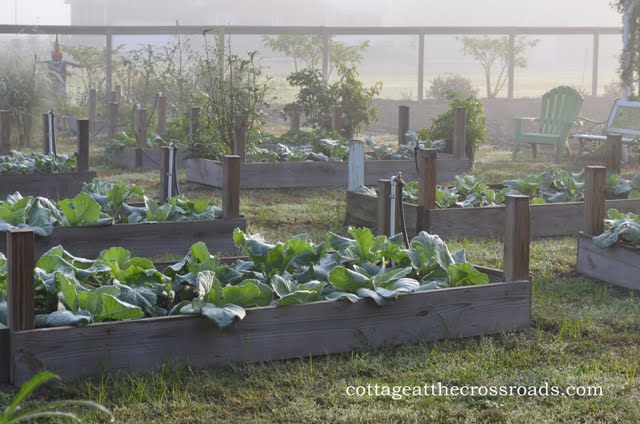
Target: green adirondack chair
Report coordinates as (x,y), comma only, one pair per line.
(560,108)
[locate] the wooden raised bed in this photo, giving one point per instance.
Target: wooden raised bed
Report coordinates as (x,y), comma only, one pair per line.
(318,174)
(553,219)
(151,158)
(619,265)
(266,334)
(54,185)
(155,239)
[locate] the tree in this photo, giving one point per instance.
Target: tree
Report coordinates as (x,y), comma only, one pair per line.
(494,52)
(630,57)
(307,50)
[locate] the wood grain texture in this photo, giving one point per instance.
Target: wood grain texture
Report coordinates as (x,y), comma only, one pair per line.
(240,137)
(270,333)
(20,277)
(162,114)
(517,238)
(5,355)
(231,186)
(594,199)
(403,124)
(383,207)
(54,186)
(151,158)
(315,174)
(547,220)
(427,176)
(143,239)
(83,145)
(617,265)
(5,132)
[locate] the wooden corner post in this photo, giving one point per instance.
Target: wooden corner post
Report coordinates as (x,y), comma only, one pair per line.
(240,124)
(384,207)
(594,199)
(459,132)
(427,176)
(231,186)
(614,152)
(83,145)
(356,164)
(5,132)
(21,290)
(517,238)
(403,124)
(141,135)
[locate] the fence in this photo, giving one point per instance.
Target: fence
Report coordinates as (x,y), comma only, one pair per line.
(327,32)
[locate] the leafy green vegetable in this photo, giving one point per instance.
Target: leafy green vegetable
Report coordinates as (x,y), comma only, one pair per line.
(34,163)
(82,211)
(620,228)
(36,213)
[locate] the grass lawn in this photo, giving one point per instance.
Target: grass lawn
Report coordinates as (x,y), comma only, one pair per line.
(583,333)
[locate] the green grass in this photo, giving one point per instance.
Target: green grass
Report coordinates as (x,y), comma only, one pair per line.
(582,333)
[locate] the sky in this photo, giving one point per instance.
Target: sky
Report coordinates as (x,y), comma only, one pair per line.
(395,12)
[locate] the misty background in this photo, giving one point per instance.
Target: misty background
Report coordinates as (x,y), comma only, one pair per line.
(390,59)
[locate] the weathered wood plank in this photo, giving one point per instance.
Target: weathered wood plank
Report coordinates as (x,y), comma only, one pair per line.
(594,199)
(143,239)
(617,265)
(270,333)
(151,158)
(54,186)
(5,355)
(546,220)
(315,174)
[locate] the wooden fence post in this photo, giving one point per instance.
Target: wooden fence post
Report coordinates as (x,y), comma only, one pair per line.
(294,124)
(459,133)
(384,207)
(5,132)
(113,96)
(164,177)
(403,124)
(614,152)
(427,176)
(93,101)
(83,145)
(231,186)
(113,120)
(21,301)
(356,164)
(337,123)
(594,200)
(240,137)
(194,123)
(162,114)
(517,238)
(141,135)
(21,289)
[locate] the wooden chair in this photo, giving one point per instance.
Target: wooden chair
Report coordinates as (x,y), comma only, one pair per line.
(560,108)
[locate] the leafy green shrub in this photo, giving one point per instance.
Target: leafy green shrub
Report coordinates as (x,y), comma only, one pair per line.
(441,86)
(316,99)
(442,126)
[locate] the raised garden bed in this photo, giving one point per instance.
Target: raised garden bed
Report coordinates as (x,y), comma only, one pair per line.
(617,264)
(552,219)
(150,158)
(54,185)
(155,239)
(266,333)
(318,174)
